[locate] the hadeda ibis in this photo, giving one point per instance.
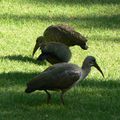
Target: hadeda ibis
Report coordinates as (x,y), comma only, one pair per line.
(61,76)
(54,52)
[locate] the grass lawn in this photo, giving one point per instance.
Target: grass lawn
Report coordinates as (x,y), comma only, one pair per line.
(22,21)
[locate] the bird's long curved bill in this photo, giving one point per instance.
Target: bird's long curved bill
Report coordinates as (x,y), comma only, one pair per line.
(35,49)
(99,69)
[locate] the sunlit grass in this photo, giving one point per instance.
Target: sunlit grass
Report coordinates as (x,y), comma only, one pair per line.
(22,21)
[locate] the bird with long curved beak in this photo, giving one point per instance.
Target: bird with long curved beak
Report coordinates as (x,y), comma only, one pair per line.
(62,76)
(64,34)
(53,52)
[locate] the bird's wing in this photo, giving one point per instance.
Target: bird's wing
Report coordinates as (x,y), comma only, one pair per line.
(66,79)
(55,48)
(71,32)
(56,77)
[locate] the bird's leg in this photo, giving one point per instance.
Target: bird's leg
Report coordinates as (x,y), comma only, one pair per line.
(61,96)
(42,57)
(48,96)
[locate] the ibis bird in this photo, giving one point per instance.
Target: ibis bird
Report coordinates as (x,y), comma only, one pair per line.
(54,52)
(61,76)
(63,34)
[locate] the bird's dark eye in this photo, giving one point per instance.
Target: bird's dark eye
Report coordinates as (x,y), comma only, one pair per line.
(93,60)
(90,62)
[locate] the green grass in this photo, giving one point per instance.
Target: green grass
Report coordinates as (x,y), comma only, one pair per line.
(22,21)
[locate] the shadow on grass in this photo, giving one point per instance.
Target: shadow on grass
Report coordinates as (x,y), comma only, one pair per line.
(103,98)
(12,80)
(15,78)
(111,22)
(23,59)
(72,2)
(109,84)
(89,96)
(21,78)
(92,107)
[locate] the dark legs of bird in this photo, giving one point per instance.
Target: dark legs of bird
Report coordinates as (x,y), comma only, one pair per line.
(48,96)
(61,97)
(42,57)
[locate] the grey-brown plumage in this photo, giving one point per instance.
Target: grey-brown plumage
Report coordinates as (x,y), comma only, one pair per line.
(63,34)
(54,52)
(61,76)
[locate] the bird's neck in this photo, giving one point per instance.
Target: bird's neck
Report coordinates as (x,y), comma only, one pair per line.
(85,72)
(42,45)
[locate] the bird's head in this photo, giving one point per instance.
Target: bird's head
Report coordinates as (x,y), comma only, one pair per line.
(84,46)
(81,41)
(39,40)
(89,62)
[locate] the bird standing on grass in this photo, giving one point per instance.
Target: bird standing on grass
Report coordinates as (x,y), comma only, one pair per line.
(61,76)
(54,52)
(62,34)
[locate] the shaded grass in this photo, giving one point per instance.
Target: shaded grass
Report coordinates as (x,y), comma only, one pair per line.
(93,101)
(23,59)
(84,2)
(107,22)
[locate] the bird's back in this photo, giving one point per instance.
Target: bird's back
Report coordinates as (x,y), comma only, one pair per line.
(65,34)
(58,76)
(57,50)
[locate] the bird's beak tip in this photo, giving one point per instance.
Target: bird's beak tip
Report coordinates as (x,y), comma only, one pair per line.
(99,69)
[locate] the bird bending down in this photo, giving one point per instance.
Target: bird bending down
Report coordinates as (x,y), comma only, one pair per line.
(53,52)
(63,34)
(61,76)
